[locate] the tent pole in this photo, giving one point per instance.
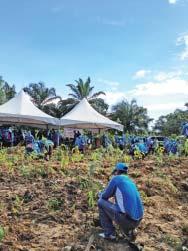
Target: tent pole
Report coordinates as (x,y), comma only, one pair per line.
(12,136)
(58,134)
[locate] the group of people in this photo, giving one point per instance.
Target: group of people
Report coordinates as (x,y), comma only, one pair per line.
(43,142)
(10,137)
(38,140)
(147,145)
(131,144)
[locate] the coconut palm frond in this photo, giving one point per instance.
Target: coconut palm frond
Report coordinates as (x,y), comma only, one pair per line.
(95,95)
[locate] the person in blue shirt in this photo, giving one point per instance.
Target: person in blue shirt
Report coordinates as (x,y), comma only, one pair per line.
(185,129)
(127,211)
(29,139)
(142,147)
(80,143)
(116,139)
(106,142)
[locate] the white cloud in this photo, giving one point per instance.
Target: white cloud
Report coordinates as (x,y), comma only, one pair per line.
(183,41)
(161,76)
(167,87)
(113,97)
(165,106)
(141,74)
(160,98)
(172,1)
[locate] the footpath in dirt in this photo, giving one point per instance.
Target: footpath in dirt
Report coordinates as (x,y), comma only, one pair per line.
(44,207)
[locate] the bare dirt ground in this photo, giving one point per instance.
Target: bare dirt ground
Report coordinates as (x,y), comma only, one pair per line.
(46,207)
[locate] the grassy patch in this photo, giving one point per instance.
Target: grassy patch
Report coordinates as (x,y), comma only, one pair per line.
(55,204)
(173,242)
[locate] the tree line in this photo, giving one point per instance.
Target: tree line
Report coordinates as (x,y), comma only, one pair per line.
(134,117)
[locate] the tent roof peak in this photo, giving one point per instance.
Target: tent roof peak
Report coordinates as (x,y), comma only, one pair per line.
(85,116)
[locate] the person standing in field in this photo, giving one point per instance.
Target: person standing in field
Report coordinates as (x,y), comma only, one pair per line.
(185,129)
(127,211)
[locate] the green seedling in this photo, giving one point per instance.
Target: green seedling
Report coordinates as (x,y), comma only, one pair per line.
(91,199)
(17,205)
(55,204)
(2,233)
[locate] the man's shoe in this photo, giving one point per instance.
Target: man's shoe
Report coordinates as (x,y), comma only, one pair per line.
(107,237)
(132,235)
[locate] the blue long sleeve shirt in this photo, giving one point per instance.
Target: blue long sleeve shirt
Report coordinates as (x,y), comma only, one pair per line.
(185,130)
(126,195)
(142,148)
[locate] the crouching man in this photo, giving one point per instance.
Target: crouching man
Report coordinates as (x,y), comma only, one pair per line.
(127,211)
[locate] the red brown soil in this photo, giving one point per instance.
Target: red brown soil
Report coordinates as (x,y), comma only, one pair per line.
(33,221)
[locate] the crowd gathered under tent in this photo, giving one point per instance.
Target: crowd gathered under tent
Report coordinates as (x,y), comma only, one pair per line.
(42,142)
(27,119)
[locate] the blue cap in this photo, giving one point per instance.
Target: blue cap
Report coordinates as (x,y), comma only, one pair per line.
(121,167)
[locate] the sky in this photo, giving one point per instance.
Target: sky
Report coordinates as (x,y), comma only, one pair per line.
(130,49)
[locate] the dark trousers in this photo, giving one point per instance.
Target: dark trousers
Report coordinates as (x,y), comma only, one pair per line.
(109,212)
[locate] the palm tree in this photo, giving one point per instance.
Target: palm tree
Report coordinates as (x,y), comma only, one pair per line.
(65,105)
(40,94)
(133,117)
(84,90)
(53,110)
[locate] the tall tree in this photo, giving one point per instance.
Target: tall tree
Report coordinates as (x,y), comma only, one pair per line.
(133,117)
(171,123)
(84,90)
(41,94)
(99,105)
(53,110)
(10,91)
(65,105)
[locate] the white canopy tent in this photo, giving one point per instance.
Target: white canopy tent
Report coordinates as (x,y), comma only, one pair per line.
(83,115)
(21,110)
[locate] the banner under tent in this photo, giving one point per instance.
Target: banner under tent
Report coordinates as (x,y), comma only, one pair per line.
(21,110)
(84,116)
